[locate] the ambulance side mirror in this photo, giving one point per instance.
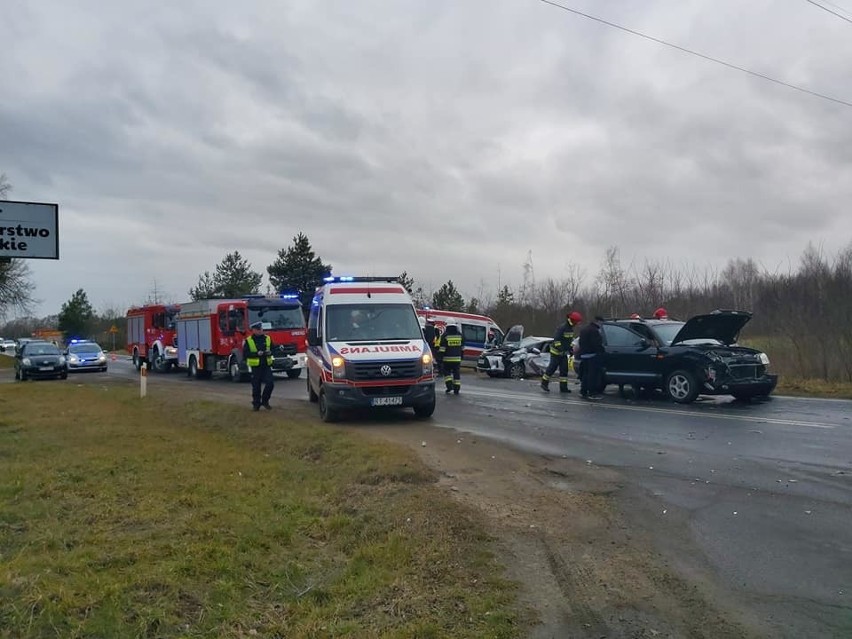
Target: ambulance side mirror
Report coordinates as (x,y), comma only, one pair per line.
(313,338)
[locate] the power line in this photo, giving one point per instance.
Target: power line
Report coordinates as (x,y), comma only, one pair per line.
(834,13)
(836,6)
(700,55)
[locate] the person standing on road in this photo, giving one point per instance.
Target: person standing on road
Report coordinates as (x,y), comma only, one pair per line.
(450,351)
(591,358)
(560,349)
(257,353)
(429,334)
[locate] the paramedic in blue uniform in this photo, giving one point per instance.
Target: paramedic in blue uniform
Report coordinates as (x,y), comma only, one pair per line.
(257,353)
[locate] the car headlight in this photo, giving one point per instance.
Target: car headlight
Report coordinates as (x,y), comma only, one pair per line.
(763,358)
(338,366)
(171,351)
(101,357)
(73,358)
(427,363)
(26,361)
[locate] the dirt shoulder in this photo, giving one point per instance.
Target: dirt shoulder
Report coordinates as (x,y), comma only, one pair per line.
(583,569)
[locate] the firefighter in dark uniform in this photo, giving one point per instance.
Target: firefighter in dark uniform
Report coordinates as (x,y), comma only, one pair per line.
(257,353)
(560,349)
(450,352)
(430,334)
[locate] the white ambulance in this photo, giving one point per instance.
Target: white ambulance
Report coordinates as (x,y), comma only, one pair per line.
(366,348)
(478,331)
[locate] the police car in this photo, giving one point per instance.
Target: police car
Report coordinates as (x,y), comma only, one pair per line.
(85,355)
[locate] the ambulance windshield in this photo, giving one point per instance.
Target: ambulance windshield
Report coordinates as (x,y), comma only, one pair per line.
(371,322)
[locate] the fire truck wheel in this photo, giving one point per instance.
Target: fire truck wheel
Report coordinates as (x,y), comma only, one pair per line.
(294,374)
(234,372)
(158,364)
(327,413)
(193,368)
(312,396)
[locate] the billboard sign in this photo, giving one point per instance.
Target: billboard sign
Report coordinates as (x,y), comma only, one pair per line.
(29,230)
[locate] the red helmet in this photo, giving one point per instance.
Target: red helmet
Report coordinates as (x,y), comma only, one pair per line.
(661,313)
(635,316)
(574,317)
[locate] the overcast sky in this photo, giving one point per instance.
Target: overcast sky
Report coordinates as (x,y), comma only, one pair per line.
(447,138)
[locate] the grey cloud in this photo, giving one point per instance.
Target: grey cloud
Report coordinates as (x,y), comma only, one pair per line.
(447,139)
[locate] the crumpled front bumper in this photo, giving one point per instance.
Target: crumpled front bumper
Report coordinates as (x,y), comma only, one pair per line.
(491,364)
(759,386)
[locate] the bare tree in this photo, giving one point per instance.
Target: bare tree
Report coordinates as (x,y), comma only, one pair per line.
(16,287)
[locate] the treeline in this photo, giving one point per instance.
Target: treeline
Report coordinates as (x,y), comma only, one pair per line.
(802,317)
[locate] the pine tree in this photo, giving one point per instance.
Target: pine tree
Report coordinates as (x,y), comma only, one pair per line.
(447,298)
(407,282)
(298,269)
(233,278)
(76,316)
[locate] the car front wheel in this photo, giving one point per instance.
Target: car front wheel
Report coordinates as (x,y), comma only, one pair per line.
(516,370)
(681,387)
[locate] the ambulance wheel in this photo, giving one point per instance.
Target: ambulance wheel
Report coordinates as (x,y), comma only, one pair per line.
(424,411)
(294,374)
(312,396)
(327,413)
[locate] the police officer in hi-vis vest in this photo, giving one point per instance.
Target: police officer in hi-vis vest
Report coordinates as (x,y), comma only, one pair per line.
(560,349)
(257,353)
(450,353)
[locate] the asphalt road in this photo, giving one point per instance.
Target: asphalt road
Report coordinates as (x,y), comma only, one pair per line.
(756,497)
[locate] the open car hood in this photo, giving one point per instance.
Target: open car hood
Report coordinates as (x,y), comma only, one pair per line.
(514,335)
(724,326)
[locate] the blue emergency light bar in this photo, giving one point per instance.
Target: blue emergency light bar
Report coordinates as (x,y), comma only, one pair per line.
(356,278)
(289,296)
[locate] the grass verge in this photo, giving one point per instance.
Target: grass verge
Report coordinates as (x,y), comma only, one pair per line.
(814,388)
(6,362)
(128,518)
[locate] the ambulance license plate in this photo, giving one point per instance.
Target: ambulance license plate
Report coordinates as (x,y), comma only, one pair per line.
(386,401)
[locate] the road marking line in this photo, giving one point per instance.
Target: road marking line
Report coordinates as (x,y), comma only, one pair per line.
(648,409)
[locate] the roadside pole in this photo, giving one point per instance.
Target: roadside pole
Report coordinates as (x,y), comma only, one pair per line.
(143,380)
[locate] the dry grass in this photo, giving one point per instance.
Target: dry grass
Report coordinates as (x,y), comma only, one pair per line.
(790,380)
(124,518)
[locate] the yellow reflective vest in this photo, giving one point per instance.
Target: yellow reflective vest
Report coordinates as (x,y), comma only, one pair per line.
(253,360)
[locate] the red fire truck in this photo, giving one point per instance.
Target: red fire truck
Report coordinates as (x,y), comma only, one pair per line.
(151,336)
(211,333)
